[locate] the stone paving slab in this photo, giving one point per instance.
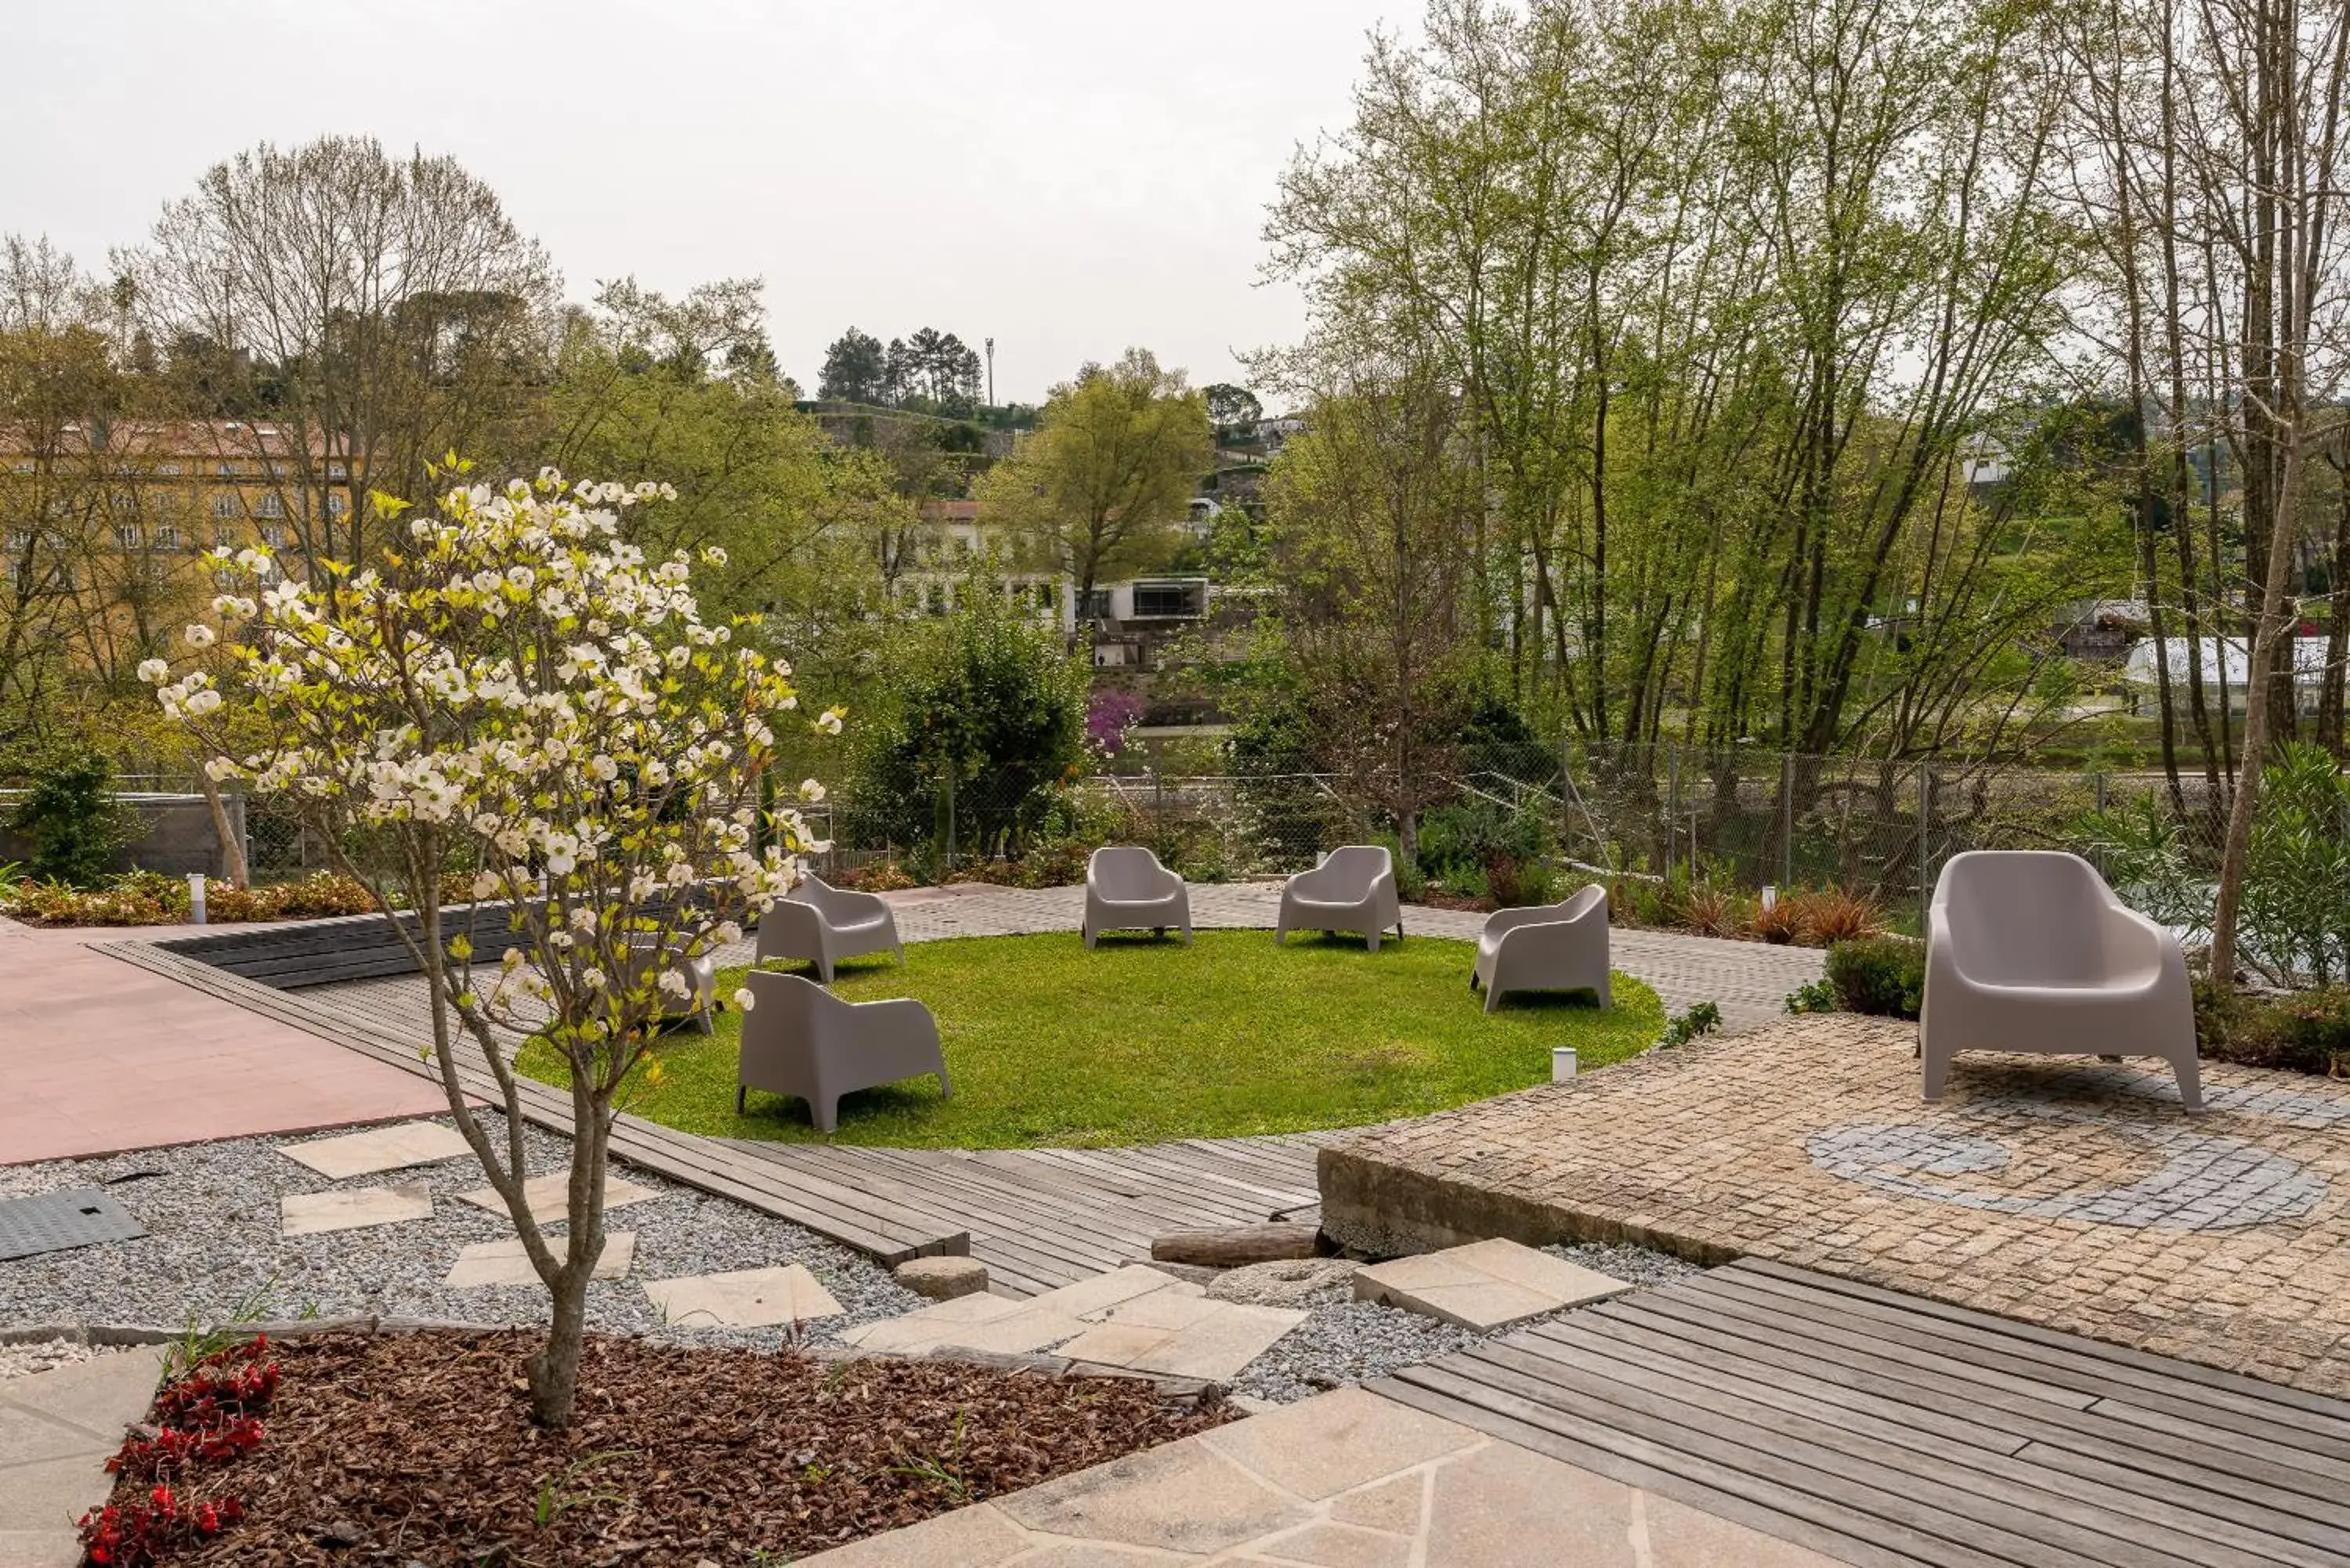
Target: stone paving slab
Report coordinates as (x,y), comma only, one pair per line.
(549,1196)
(353,1207)
(1483,1285)
(1345,1479)
(746,1298)
(379,1149)
(2068,1193)
(507,1263)
(57,1430)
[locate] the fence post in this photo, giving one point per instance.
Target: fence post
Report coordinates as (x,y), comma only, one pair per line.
(1925,843)
(2100,782)
(1787,819)
(1672,805)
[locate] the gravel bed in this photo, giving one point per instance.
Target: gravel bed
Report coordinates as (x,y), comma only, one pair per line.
(22,1360)
(1344,1341)
(213,1248)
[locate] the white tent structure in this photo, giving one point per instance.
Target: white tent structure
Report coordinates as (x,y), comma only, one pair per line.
(2232,654)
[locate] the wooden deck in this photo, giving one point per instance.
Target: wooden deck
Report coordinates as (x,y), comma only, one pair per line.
(1047,1217)
(1037,1218)
(1892,1432)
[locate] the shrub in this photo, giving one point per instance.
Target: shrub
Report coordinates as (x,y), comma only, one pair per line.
(1885,976)
(1702,1018)
(984,707)
(69,816)
(1712,912)
(1831,915)
(2305,1031)
(1478,839)
(1781,923)
(1813,996)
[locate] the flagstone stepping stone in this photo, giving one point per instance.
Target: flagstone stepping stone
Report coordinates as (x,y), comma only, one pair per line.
(942,1279)
(505,1263)
(549,1196)
(1291,1282)
(747,1298)
(948,1323)
(352,1207)
(1183,1336)
(378,1150)
(1484,1285)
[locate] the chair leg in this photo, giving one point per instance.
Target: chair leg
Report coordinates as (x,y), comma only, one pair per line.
(946,1090)
(823,970)
(1187,933)
(1398,931)
(1160,931)
(1605,998)
(1493,999)
(708,1024)
(1935,1074)
(1375,941)
(1089,939)
(2189,1073)
(740,1091)
(825,1113)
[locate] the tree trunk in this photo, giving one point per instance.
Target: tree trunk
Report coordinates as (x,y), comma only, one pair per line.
(2337,630)
(554,1366)
(231,846)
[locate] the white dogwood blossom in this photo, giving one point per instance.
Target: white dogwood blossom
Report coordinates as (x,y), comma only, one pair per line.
(515,688)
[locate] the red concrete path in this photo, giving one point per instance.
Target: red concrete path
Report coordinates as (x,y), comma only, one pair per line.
(97,1056)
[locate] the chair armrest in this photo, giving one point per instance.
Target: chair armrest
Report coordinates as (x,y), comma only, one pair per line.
(786,920)
(846,904)
(902,1019)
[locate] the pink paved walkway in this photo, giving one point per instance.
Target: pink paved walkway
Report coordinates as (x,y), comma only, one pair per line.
(97,1056)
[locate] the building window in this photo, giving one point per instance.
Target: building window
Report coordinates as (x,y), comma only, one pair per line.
(335,470)
(20,541)
(128,536)
(167,536)
(168,470)
(337,503)
(270,506)
(228,471)
(1164,600)
(1099,606)
(225,505)
(273,535)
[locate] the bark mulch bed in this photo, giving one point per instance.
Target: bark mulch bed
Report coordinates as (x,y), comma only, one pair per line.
(417,1448)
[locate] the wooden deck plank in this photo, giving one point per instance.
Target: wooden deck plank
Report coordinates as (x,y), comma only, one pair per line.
(1932,1533)
(2273,1461)
(2322,1432)
(1961,1470)
(1722,1491)
(2065,1425)
(2163,1368)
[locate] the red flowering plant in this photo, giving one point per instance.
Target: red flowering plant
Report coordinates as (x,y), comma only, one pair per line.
(211,1415)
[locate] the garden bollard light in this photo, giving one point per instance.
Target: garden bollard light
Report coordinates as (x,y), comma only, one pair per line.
(1562,1064)
(1770,898)
(195,897)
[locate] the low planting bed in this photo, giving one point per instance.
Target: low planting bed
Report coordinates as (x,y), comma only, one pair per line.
(418,1448)
(1141,1041)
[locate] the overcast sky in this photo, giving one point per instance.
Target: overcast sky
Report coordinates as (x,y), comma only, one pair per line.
(1071,176)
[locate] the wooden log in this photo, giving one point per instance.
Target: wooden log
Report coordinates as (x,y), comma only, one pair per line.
(1239,1245)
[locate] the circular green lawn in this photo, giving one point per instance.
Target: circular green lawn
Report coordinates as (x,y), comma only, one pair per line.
(1143,1040)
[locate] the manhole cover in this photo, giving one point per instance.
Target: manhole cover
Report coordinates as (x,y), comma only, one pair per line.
(56,1222)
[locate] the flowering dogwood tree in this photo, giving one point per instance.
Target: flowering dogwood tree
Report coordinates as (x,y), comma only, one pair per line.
(515,691)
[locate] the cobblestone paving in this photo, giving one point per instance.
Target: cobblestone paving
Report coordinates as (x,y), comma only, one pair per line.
(1749,980)
(2066,1193)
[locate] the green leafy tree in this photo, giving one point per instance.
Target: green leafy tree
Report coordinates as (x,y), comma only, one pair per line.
(979,723)
(856,370)
(1103,486)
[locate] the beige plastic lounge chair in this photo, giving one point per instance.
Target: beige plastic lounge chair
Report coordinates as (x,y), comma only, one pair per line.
(1127,889)
(1550,947)
(2027,949)
(1353,890)
(702,976)
(824,924)
(800,1039)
